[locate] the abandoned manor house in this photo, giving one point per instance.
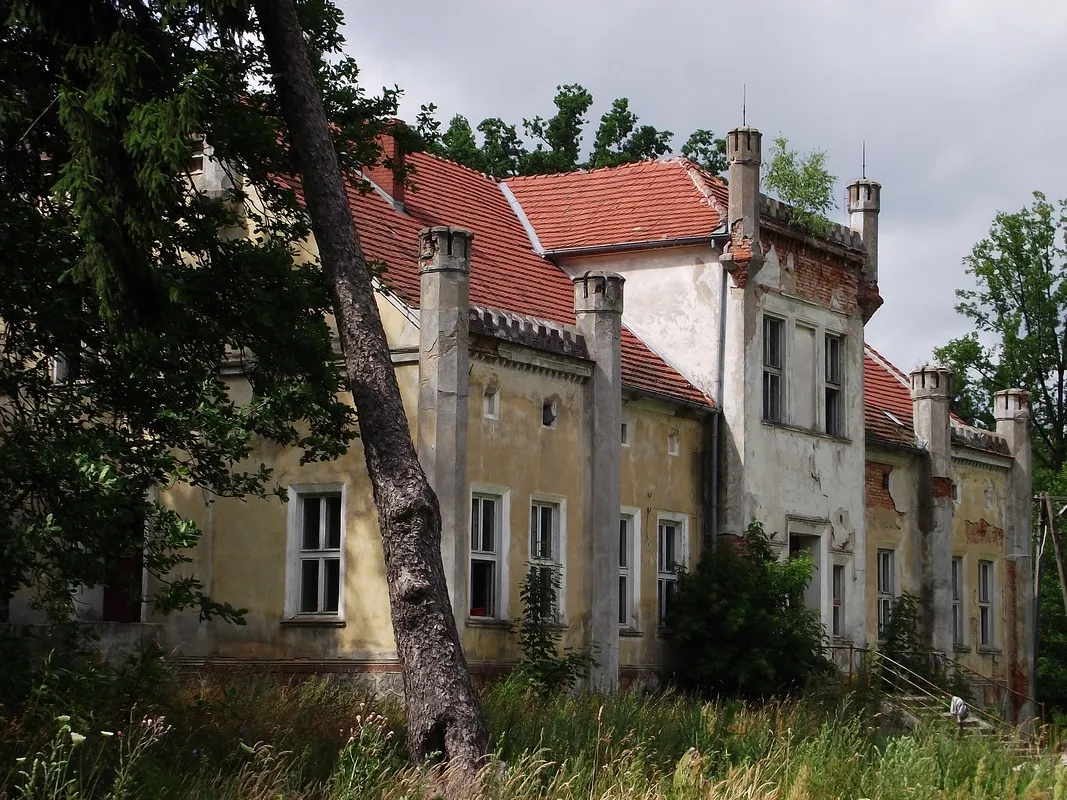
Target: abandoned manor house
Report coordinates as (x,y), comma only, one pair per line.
(608,371)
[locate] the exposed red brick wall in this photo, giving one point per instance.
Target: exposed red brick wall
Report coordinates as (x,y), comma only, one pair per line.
(982,532)
(876,486)
(942,488)
(818,275)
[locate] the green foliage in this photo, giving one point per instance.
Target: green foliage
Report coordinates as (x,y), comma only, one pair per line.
(739,623)
(116,270)
(1019,310)
(558,139)
(620,140)
(708,151)
(802,181)
(972,391)
(903,642)
(502,150)
(542,667)
(459,144)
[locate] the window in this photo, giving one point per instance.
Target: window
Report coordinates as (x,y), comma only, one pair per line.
(546,541)
(985,603)
(835,347)
(837,621)
(669,559)
(957,601)
(317,530)
(549,413)
(625,434)
(886,581)
(625,537)
(486,531)
(772,369)
(674,446)
(491,404)
(196,156)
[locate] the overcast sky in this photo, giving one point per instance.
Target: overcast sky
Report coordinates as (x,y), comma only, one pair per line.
(962,103)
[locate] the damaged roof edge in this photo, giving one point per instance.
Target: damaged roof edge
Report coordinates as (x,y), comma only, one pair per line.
(516,207)
(717,237)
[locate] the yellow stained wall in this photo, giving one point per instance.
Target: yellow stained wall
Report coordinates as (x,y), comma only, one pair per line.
(978,535)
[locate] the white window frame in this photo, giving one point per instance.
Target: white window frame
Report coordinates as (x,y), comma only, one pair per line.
(957,587)
(987,629)
(886,594)
(491,402)
(502,589)
(773,370)
(632,572)
(294,532)
(663,577)
(837,601)
(559,502)
(834,386)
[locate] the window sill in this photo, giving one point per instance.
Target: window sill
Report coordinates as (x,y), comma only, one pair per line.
(807,431)
(989,650)
(961,648)
(630,633)
(492,623)
(313,622)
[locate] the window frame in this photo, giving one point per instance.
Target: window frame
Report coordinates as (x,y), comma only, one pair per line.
(502,583)
(986,592)
(834,389)
(773,373)
(559,504)
(837,600)
(625,433)
(680,522)
(885,595)
(633,571)
(957,591)
(491,402)
(294,547)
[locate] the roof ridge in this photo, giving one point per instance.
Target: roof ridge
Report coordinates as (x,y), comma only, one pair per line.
(888,366)
(644,162)
(464,167)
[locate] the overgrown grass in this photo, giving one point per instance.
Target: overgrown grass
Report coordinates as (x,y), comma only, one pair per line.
(255,739)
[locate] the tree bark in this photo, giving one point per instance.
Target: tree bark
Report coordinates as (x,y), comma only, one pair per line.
(443,713)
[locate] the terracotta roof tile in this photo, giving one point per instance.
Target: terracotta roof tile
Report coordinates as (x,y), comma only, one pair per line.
(505,272)
(642,202)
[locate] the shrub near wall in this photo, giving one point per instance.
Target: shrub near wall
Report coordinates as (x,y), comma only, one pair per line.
(739,623)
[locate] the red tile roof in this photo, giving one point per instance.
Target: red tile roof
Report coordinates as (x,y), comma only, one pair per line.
(505,272)
(887,410)
(643,202)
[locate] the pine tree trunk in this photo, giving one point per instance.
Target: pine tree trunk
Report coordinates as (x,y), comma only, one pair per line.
(442,706)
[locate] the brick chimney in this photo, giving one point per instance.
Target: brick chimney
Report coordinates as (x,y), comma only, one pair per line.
(392,154)
(744,156)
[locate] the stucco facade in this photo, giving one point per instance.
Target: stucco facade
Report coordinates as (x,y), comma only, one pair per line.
(612,390)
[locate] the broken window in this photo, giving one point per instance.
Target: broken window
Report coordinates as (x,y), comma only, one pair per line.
(625,434)
(549,413)
(486,514)
(319,555)
(985,603)
(772,369)
(957,601)
(674,445)
(669,560)
(886,589)
(491,404)
(835,347)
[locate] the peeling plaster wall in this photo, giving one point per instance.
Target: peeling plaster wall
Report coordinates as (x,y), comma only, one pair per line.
(672,304)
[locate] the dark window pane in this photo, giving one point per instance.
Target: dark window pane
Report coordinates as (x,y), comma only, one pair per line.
(535,548)
(476,518)
(488,526)
(623,616)
(546,533)
(483,586)
(333,523)
(332,589)
(624,544)
(312,510)
(309,586)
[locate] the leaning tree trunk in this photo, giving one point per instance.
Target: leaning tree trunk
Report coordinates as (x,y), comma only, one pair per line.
(442,706)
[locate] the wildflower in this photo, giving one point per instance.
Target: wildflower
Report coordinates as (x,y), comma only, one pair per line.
(20,760)
(64,718)
(106,733)
(118,734)
(77,738)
